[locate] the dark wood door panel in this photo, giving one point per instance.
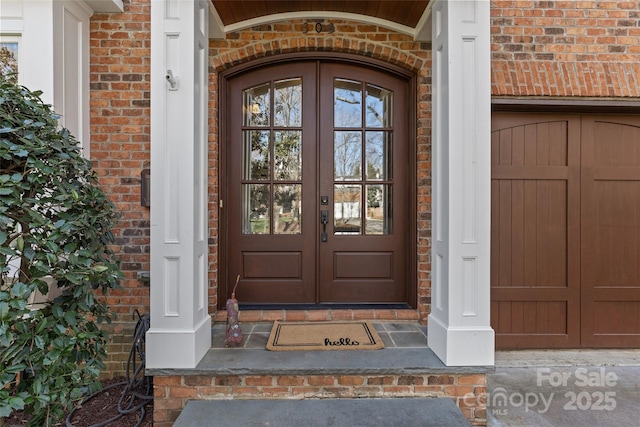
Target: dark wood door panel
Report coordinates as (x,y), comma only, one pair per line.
(359,266)
(276,263)
(611,231)
(363,265)
(533,324)
(275,199)
(535,240)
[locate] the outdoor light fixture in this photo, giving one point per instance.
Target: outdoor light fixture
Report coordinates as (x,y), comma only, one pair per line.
(173,81)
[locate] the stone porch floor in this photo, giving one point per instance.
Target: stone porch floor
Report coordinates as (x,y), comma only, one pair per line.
(392,334)
(405,353)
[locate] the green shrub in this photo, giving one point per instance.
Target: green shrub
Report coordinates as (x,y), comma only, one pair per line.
(55,224)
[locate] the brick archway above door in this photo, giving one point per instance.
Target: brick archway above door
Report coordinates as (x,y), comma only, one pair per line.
(565,230)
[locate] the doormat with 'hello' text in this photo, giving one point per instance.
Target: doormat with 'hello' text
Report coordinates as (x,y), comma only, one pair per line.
(290,336)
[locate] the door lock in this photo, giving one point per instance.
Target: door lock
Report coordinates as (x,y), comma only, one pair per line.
(324,219)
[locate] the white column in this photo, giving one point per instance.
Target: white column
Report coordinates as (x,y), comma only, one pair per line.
(180,332)
(71,68)
(53,39)
(459,328)
(36,70)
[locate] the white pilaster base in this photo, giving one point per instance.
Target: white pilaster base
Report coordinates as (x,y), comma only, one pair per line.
(178,348)
(461,346)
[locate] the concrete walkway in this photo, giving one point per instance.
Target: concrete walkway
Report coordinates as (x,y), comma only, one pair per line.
(565,388)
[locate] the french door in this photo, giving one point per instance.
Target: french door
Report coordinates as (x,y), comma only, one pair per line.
(317,184)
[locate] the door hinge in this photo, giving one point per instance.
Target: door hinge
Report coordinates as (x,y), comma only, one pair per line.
(220,203)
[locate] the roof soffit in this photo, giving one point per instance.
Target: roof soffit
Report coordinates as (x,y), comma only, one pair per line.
(413,18)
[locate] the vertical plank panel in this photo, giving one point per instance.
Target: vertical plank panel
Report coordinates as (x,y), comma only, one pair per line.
(505,148)
(542,226)
(517,146)
(504,322)
(530,317)
(495,233)
(517,317)
(557,233)
(530,145)
(530,251)
(542,144)
(495,148)
(558,317)
(505,233)
(542,318)
(517,232)
(558,143)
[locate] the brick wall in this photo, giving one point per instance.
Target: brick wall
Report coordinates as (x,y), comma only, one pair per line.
(120,137)
(172,393)
(565,48)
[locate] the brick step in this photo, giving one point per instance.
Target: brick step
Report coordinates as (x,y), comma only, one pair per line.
(409,374)
(407,412)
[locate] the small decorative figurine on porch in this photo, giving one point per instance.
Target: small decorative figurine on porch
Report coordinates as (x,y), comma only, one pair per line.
(233,335)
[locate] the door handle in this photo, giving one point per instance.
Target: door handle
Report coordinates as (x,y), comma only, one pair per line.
(324,219)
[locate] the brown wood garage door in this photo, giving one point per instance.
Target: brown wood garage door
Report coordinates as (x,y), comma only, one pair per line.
(565,230)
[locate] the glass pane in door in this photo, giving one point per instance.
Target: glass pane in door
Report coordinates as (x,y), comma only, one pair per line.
(347,153)
(365,165)
(378,219)
(379,101)
(287,109)
(255,215)
(378,155)
(256,105)
(287,209)
(272,158)
(347,208)
(347,103)
(288,155)
(255,154)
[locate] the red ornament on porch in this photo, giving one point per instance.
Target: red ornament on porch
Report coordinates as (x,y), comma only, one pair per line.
(233,334)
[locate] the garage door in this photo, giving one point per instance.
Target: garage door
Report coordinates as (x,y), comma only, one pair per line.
(565,244)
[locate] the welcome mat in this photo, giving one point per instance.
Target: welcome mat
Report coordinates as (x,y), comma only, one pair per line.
(290,336)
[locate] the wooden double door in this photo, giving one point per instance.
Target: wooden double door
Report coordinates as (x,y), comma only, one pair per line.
(317,184)
(565,234)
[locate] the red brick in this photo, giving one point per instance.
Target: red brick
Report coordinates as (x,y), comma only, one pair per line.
(167,381)
(176,391)
(321,380)
(290,381)
(476,379)
(259,381)
(351,380)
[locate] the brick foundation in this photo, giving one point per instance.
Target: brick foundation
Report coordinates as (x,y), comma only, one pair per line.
(171,393)
(320,315)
